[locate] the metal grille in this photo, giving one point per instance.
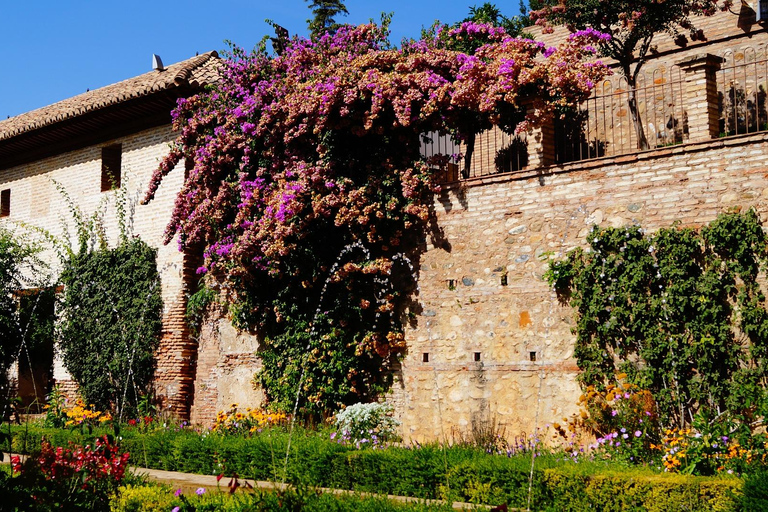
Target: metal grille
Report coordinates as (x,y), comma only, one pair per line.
(604,126)
(493,152)
(742,90)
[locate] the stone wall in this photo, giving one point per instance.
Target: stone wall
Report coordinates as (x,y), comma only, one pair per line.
(484,349)
(491,341)
(512,225)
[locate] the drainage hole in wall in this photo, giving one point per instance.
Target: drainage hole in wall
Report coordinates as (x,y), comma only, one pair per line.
(425,357)
(477,356)
(532,355)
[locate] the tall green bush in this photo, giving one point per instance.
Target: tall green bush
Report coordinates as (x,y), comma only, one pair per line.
(680,312)
(111,308)
(20,268)
(111,319)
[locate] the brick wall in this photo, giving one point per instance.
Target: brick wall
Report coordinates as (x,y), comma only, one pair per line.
(36,202)
(480,336)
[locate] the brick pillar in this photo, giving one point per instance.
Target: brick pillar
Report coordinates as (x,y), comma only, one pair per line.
(176,355)
(541,145)
(700,95)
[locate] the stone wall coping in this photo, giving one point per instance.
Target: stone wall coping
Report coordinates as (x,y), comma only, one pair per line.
(699,59)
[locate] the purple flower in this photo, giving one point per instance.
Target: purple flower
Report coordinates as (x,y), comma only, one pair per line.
(638,433)
(177,493)
(175,509)
(200,491)
(614,412)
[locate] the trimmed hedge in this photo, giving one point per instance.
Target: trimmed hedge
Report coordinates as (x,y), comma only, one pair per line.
(154,498)
(430,472)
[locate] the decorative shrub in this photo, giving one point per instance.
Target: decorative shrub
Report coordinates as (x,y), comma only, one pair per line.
(367,424)
(111,316)
(621,419)
(75,478)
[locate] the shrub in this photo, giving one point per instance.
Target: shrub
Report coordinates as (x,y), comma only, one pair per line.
(75,478)
(367,424)
(111,319)
(142,498)
(755,491)
(19,268)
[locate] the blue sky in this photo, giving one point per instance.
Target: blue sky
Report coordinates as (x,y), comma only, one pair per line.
(51,50)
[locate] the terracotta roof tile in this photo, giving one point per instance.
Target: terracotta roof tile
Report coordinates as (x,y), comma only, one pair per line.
(196,72)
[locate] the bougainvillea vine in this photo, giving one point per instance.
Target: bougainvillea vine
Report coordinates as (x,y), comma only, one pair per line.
(294,157)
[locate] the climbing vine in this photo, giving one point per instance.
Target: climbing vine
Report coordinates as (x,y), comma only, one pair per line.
(680,312)
(308,192)
(111,308)
(111,318)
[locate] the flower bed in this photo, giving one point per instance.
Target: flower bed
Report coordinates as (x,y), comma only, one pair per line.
(456,473)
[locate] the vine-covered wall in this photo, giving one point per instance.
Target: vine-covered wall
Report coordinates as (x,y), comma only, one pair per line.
(509,227)
(505,226)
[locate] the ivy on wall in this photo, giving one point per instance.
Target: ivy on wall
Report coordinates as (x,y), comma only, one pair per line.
(19,268)
(111,318)
(111,307)
(680,311)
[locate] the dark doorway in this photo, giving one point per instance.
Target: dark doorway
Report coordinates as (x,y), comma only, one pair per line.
(36,321)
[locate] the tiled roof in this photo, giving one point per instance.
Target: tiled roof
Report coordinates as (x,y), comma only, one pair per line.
(195,72)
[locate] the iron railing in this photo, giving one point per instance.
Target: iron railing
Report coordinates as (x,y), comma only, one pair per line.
(603,125)
(742,90)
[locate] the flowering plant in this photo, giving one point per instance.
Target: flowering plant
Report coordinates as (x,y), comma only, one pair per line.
(248,422)
(75,478)
(85,417)
(296,158)
(366,425)
(623,420)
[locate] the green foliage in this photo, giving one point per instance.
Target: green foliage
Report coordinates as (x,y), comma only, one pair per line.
(20,268)
(755,491)
(111,319)
(335,371)
(680,312)
(490,13)
(429,471)
(324,12)
(197,304)
(55,415)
